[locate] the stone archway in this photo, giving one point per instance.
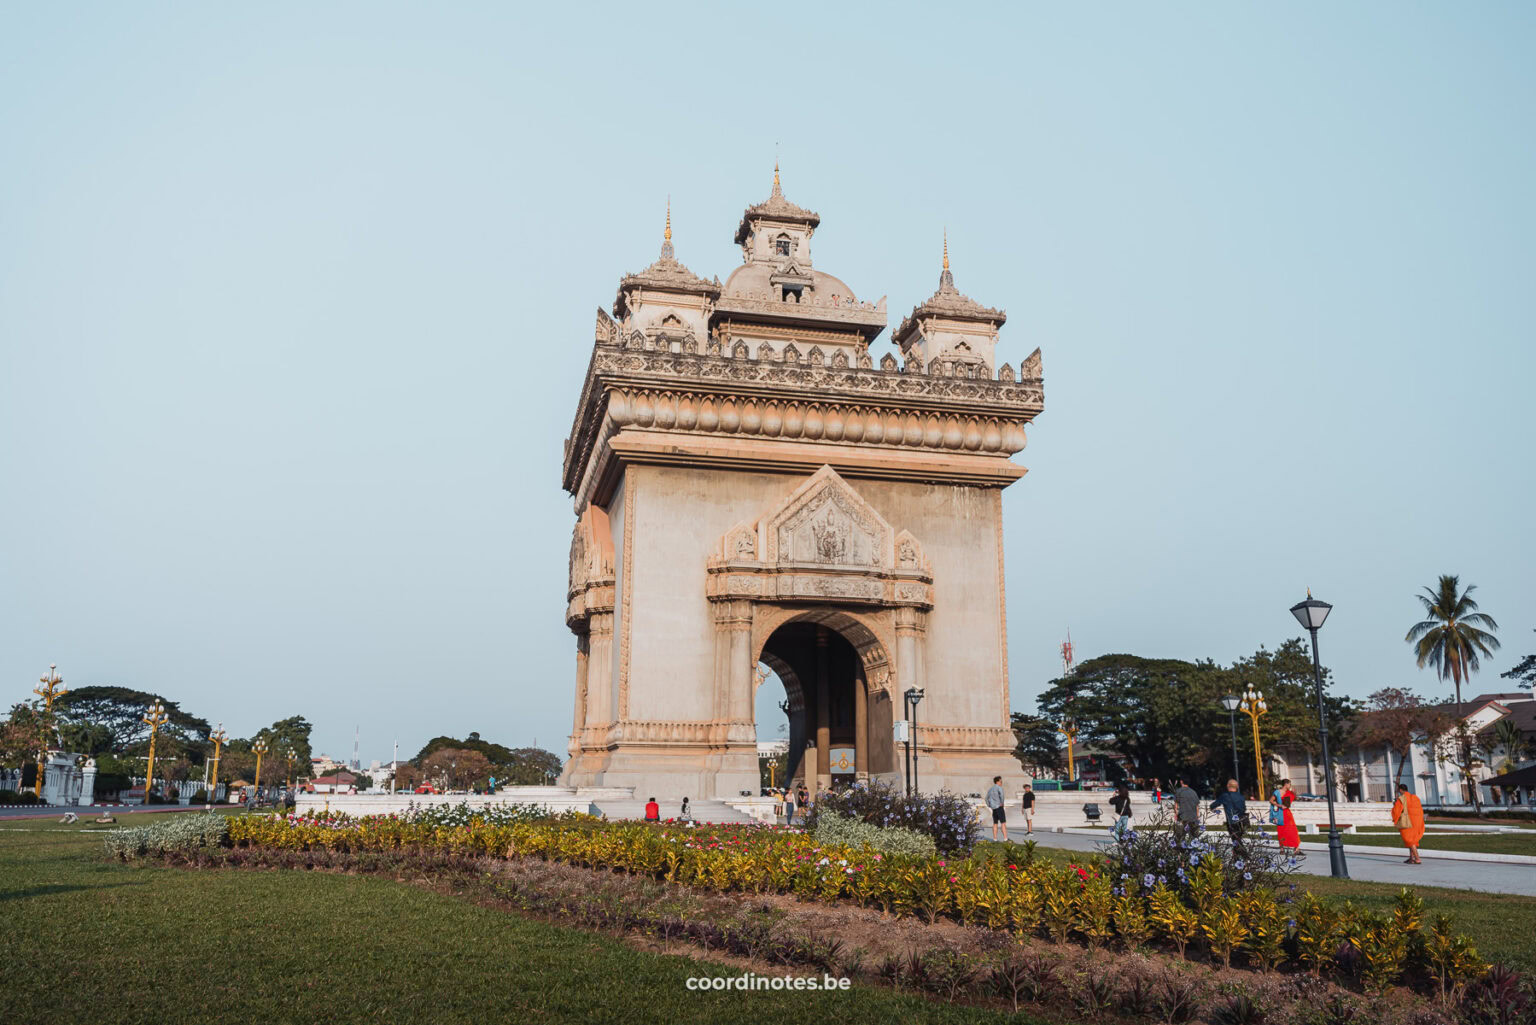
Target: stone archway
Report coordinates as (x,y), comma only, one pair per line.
(837,681)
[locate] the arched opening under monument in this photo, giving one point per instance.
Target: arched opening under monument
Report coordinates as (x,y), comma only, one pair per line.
(839,719)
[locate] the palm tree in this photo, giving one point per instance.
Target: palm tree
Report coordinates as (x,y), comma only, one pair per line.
(1508,736)
(1451,639)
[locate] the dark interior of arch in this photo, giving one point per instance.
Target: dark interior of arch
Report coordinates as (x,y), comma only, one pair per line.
(813,660)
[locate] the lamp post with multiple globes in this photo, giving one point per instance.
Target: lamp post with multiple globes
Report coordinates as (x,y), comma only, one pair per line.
(154,718)
(1253,704)
(260,747)
(218,737)
(51,687)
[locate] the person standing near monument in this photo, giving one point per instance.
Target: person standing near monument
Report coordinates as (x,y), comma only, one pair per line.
(995,802)
(1186,807)
(1285,831)
(1028,802)
(1121,803)
(1234,812)
(1408,817)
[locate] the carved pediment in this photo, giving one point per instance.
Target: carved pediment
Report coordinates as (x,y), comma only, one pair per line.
(822,543)
(826,521)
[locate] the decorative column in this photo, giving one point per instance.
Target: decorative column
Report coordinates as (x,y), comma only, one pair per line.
(823,711)
(861,725)
(581,695)
(599,703)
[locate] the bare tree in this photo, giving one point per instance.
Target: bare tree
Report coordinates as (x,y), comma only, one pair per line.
(1395,719)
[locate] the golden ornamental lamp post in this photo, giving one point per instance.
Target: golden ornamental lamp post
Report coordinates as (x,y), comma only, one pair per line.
(218,737)
(288,760)
(155,718)
(1253,704)
(260,747)
(50,687)
(1069,730)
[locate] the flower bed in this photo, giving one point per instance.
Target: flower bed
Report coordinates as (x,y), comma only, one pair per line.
(1090,902)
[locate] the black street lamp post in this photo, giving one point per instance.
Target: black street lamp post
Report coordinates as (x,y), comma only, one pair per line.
(1311,614)
(1230,703)
(913,696)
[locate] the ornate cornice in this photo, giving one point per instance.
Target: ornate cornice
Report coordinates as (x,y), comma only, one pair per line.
(794,398)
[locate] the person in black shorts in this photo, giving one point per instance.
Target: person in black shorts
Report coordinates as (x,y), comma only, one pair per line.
(1029,808)
(995,801)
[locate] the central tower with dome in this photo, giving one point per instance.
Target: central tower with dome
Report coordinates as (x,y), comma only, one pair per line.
(753,486)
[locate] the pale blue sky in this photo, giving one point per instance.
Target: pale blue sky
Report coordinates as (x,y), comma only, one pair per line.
(295,303)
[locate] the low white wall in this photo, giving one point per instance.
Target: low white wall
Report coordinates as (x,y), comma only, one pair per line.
(1065,808)
(555,799)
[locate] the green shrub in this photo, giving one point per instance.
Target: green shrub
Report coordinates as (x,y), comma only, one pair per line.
(832,828)
(18,797)
(179,835)
(946,817)
(200,796)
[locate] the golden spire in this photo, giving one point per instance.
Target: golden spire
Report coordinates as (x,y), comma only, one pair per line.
(946,249)
(666,236)
(775,172)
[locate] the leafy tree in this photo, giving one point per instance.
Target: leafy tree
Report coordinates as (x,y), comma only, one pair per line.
(1165,715)
(1038,744)
(1451,638)
(512,766)
(457,767)
(1507,736)
(1394,719)
(1524,672)
(120,711)
(1160,714)
(287,734)
(529,766)
(19,735)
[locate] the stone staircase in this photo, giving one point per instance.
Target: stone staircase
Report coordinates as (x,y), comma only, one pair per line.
(701,810)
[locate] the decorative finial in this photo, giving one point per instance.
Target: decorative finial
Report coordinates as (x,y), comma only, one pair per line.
(946,280)
(1309,594)
(777,191)
(666,236)
(946,249)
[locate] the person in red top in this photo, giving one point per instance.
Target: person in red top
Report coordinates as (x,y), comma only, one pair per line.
(1286,832)
(652,811)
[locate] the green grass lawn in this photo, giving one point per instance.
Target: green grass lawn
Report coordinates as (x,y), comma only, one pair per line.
(1486,843)
(88,940)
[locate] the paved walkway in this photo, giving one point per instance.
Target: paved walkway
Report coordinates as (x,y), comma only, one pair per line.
(36,811)
(1387,867)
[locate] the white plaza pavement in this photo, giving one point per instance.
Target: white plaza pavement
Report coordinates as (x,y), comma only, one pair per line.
(1386,867)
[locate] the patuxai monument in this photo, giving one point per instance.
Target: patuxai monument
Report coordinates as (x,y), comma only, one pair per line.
(753,485)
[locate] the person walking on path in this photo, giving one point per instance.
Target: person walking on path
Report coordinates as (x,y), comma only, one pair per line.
(1285,831)
(1234,812)
(1186,808)
(1028,802)
(995,802)
(1408,817)
(1121,803)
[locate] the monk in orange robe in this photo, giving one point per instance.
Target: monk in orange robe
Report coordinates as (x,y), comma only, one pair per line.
(1407,806)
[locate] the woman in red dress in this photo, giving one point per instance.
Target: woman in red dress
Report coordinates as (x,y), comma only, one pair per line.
(1286,831)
